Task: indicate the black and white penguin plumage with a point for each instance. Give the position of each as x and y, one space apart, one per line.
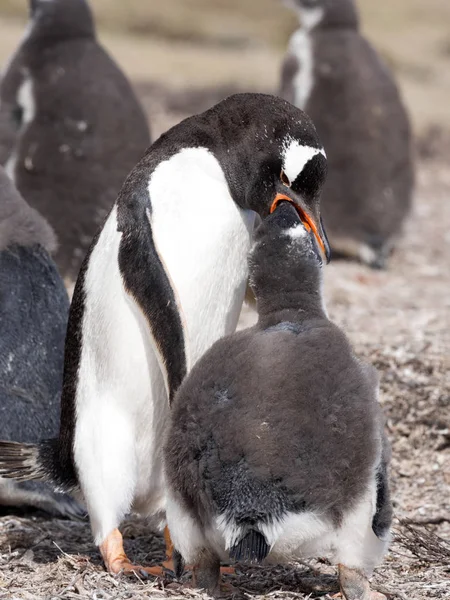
33 317
163 280
80 128
334 74
276 446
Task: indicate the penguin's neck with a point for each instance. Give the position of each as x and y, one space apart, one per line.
202 238
295 308
294 303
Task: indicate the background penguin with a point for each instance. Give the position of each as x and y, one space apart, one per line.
336 76
33 319
80 128
275 447
163 280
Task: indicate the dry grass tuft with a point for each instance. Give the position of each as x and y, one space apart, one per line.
423 543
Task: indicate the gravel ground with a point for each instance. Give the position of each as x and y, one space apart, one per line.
398 319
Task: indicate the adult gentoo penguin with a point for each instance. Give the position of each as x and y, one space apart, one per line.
334 74
33 315
80 128
163 280
297 467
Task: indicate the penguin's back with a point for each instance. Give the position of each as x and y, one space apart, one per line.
357 109
275 414
85 132
33 317
34 308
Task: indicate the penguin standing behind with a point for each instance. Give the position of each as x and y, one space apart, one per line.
276 446
80 128
164 279
336 76
33 317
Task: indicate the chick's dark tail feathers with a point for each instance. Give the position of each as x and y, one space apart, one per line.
247 505
252 548
27 462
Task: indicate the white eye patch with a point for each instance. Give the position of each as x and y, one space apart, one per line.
296 156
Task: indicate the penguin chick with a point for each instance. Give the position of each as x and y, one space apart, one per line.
79 127
334 74
276 448
33 315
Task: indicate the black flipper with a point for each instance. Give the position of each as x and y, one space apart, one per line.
382 518
146 280
39 495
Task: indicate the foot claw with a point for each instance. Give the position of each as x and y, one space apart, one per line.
157 571
169 567
116 561
355 585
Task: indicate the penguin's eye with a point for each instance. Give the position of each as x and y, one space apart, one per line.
285 179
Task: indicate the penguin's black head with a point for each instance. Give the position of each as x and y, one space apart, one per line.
271 153
294 239
60 19
286 257
325 13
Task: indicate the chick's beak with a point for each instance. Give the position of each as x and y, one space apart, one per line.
309 223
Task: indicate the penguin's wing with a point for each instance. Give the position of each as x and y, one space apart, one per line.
147 280
382 518
124 322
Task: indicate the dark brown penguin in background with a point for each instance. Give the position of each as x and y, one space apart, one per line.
33 317
80 128
276 447
334 74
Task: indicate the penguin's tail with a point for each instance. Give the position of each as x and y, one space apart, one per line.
250 513
252 548
27 462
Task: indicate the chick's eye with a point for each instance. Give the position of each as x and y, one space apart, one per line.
285 179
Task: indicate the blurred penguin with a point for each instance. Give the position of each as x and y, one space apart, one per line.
80 128
33 317
336 76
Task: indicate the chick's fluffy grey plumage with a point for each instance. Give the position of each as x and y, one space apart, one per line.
79 129
282 417
333 73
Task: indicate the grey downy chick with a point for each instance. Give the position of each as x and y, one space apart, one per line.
33 318
79 127
333 73
276 447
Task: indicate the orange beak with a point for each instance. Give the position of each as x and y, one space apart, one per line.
307 221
